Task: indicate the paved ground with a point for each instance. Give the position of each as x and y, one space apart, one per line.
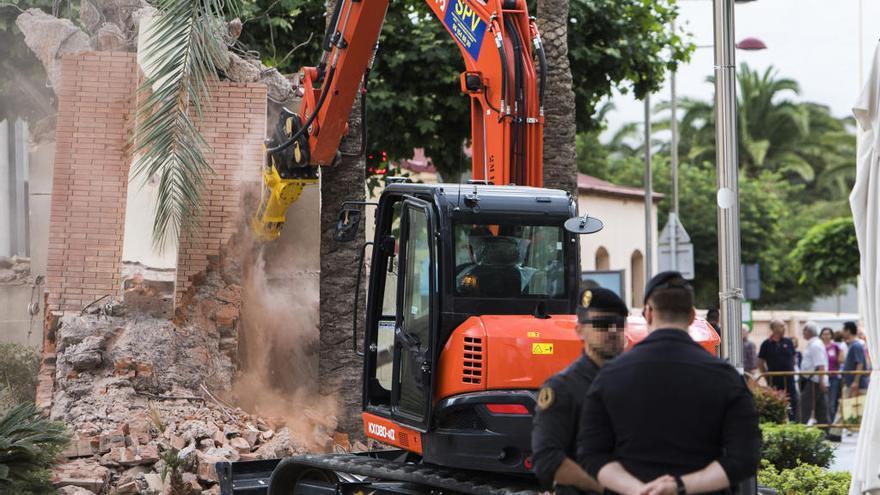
845 453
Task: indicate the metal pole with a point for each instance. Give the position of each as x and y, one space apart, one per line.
649 195
673 107
730 293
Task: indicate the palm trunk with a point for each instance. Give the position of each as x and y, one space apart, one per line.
560 170
338 366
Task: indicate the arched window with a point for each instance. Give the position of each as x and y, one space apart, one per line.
602 262
637 274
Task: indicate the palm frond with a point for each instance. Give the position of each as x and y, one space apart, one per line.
29 444
183 51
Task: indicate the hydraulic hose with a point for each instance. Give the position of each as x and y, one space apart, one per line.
283 146
542 67
518 137
327 44
499 43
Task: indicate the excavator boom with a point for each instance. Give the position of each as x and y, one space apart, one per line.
496 40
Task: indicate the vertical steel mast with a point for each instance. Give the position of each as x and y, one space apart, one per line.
730 293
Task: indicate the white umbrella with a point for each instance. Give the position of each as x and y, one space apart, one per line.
865 203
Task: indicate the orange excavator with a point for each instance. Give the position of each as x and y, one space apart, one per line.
472 287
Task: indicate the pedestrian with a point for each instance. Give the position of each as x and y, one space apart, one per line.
601 321
750 352
713 317
814 388
777 353
863 338
835 362
668 417
856 360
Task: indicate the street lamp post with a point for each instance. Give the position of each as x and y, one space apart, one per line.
747 44
730 293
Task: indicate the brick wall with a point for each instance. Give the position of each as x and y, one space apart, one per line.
89 185
95 114
234 128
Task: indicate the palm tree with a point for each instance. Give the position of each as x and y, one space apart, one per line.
29 446
183 51
559 101
798 140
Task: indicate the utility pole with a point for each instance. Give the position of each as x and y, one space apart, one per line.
649 195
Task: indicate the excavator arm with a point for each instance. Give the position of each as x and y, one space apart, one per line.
496 39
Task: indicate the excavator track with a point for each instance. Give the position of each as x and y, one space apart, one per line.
431 477
366 471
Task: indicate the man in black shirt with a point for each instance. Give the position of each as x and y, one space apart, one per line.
779 353
601 320
667 417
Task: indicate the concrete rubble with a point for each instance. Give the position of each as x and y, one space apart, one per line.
113 25
15 270
138 391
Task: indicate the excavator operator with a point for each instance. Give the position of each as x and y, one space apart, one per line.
506 261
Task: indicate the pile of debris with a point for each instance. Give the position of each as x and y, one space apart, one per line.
15 270
143 395
183 435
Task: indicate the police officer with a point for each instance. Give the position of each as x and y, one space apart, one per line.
601 319
667 417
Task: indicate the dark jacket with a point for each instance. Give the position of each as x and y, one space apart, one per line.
554 435
669 407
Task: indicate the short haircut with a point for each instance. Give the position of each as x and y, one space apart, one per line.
713 314
850 326
673 304
812 328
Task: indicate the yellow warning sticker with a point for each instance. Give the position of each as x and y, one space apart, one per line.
534 335
542 348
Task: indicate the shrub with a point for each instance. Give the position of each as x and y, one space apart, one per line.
772 405
803 479
787 445
19 366
29 446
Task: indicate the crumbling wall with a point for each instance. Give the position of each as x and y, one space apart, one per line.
234 128
95 111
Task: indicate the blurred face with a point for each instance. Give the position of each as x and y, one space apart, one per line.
777 329
745 332
603 334
827 335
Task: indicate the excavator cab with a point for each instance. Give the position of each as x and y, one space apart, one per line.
471 295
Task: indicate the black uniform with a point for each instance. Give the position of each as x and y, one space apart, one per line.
554 435
669 407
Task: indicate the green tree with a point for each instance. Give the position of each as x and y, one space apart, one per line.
763 209
626 45
827 256
801 141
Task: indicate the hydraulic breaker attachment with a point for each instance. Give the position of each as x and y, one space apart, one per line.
285 174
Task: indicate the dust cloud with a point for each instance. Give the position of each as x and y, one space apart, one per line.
278 338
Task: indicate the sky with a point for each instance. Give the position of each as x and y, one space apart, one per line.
814 42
